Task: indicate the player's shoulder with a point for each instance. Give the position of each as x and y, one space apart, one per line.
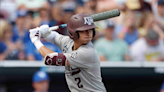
88 46
59 36
87 49
64 39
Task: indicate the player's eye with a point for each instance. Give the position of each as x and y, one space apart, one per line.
85 31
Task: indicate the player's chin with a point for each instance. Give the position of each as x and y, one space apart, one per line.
86 41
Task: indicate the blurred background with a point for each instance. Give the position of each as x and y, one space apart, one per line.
130 46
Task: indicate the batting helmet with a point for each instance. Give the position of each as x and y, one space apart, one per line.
79 22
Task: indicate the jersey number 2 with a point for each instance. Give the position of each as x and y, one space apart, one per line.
78 83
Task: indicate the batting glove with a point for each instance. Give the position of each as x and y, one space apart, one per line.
35 34
44 29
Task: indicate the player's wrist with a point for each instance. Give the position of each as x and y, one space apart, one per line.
34 39
38 44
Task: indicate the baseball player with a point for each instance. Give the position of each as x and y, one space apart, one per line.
81 60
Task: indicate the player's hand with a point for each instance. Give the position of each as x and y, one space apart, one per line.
35 34
44 29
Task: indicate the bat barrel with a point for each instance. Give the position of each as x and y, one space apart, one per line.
106 15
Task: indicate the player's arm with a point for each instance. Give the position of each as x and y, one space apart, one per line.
53 36
51 57
82 58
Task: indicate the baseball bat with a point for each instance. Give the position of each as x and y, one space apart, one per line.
95 17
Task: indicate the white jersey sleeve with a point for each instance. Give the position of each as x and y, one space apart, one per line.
60 40
57 39
50 38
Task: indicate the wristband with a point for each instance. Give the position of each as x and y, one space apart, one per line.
38 44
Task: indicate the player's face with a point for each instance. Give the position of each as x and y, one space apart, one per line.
85 36
41 86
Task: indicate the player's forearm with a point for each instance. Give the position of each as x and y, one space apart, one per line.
35 35
52 58
44 51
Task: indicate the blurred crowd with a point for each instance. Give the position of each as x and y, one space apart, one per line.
136 35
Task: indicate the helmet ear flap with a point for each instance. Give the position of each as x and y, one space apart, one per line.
94 32
77 34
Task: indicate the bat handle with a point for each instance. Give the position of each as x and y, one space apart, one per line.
57 27
63 26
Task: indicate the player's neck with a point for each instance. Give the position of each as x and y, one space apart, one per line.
76 45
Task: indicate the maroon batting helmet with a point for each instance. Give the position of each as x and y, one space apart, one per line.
79 22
